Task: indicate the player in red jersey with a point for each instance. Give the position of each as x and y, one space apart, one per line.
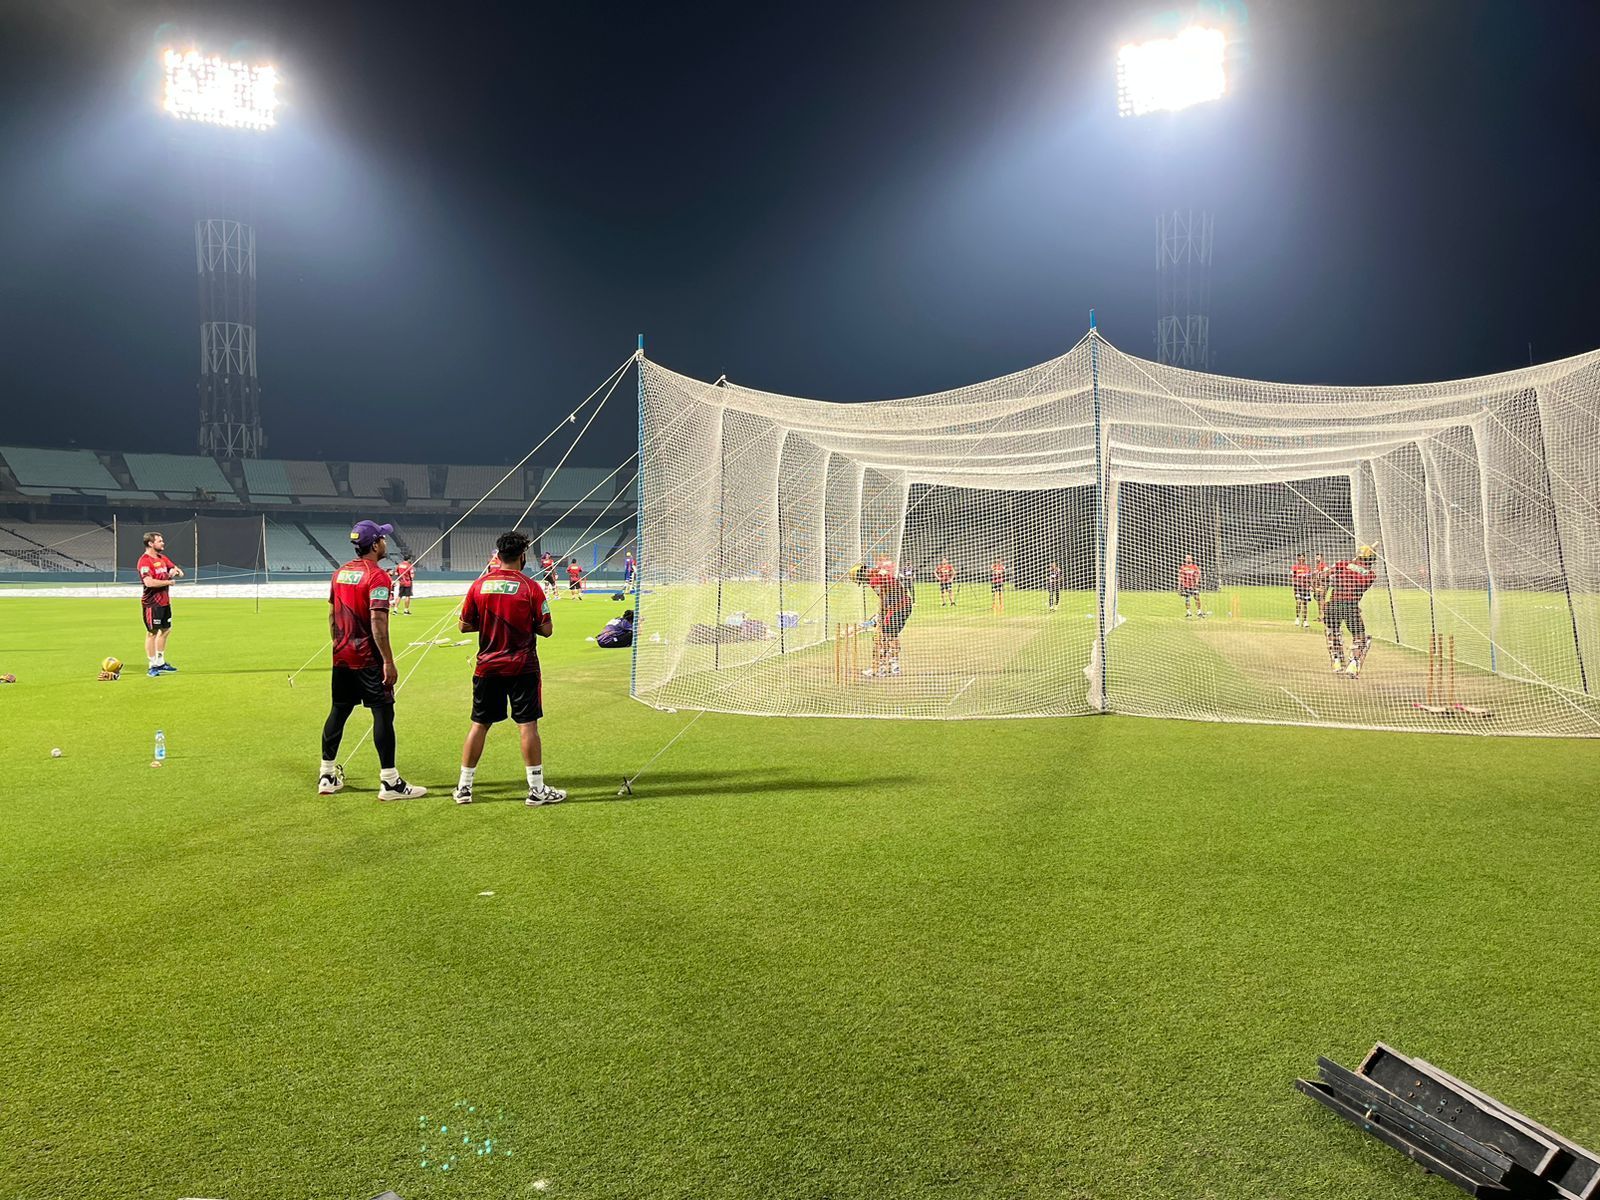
547 568
896 599
405 577
1189 587
1319 587
1300 584
997 585
1052 586
363 663
946 575
492 565
575 578
156 573
1347 583
507 611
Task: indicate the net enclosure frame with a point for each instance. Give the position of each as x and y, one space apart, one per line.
1100 533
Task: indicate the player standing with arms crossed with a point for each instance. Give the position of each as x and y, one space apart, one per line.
363 663
1300 584
575 578
946 575
156 572
507 611
405 575
1189 587
1347 583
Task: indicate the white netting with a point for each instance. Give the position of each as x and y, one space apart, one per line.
1044 563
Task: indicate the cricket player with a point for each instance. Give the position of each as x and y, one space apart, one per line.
630 568
895 602
575 579
492 565
547 564
405 576
1319 587
1300 584
156 573
363 662
618 633
507 611
1052 584
946 575
1189 587
997 585
1347 583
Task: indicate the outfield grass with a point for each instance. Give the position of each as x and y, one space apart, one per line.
1062 958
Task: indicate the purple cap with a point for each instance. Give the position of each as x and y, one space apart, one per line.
366 533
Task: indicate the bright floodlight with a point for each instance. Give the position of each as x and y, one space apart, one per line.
208 88
1172 73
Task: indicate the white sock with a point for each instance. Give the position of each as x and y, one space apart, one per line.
329 768
161 657
389 775
152 660
466 776
536 776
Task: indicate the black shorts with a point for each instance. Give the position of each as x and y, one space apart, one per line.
999 587
405 589
490 694
360 685
945 585
1301 595
895 620
551 579
157 617
1345 612
1187 592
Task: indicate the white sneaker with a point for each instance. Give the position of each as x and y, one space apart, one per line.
463 793
327 785
400 790
894 667
540 796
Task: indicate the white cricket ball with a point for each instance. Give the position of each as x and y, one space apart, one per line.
56 753
155 762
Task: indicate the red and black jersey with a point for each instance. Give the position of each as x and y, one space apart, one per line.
944 573
405 574
155 565
574 572
997 573
1189 576
1349 581
894 594
1320 574
360 588
1300 577
547 564
507 608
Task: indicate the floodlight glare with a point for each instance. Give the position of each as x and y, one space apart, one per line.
218 92
1172 73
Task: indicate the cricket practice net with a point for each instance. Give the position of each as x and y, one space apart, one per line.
1033 534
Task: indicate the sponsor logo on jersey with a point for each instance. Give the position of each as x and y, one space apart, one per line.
351 576
502 587
380 593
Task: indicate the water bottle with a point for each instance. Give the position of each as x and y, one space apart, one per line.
161 746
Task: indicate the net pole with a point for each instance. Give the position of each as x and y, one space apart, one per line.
722 524
1555 526
1488 553
1427 538
1099 511
114 547
783 562
638 529
198 573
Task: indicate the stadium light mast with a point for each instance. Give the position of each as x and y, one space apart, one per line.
1168 75
233 100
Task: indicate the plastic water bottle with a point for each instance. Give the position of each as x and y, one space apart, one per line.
161 746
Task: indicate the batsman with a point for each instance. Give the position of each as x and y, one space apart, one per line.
1347 583
895 601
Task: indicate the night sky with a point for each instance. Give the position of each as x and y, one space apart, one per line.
467 218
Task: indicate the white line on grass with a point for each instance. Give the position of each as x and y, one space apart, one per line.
1299 701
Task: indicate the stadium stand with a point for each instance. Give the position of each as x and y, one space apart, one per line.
560 540
309 478
470 483
570 484
266 479
367 480
288 549
178 475
39 472
55 546
335 539
416 539
471 546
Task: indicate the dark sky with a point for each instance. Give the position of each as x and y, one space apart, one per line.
471 210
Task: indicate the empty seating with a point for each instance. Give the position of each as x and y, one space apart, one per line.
368 480
58 470
288 550
472 483
178 475
266 479
309 479
571 484
56 546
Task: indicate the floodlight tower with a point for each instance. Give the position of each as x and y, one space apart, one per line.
1168 75
231 98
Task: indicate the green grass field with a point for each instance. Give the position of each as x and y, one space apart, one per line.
1064 958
